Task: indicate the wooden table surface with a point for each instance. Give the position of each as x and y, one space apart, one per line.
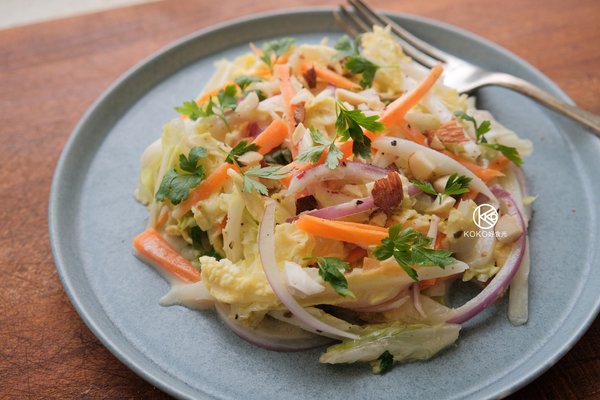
51 72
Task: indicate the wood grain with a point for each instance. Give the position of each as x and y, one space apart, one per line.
51 72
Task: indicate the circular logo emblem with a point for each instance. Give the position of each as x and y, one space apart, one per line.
485 216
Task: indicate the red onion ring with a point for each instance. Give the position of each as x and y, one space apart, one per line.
266 339
524 191
266 248
351 207
502 280
348 170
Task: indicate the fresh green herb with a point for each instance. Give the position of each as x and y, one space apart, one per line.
409 247
226 99
272 172
347 47
191 109
190 163
383 364
355 63
242 147
481 129
360 65
281 156
509 152
314 153
348 126
245 80
175 185
277 48
330 270
200 242
425 186
455 185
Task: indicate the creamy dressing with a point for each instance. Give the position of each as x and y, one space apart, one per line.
191 295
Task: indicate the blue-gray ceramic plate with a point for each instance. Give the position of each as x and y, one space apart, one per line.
190 354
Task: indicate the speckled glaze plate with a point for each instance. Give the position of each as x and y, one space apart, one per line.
190 354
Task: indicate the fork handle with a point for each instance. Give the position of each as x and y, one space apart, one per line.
522 86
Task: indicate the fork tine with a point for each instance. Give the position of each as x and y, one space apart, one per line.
407 37
350 30
362 26
415 54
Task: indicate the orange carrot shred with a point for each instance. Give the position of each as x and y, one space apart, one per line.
154 248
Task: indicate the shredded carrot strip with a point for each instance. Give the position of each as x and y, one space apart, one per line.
485 174
164 216
282 72
153 247
271 137
339 230
499 163
396 110
330 76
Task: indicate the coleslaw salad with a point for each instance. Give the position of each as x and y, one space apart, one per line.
317 194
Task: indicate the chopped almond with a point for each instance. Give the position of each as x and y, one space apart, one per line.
387 192
450 132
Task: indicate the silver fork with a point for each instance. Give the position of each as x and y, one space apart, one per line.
458 73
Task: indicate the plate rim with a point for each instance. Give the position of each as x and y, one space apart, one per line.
109 339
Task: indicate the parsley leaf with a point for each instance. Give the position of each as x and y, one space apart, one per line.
348 126
190 163
314 153
191 109
176 186
346 47
457 185
242 147
281 155
330 270
480 129
509 152
276 48
245 80
271 172
360 65
425 186
484 127
226 99
410 247
383 364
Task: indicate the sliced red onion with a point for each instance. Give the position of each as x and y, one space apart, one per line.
501 281
351 207
266 248
267 337
524 191
413 190
349 170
